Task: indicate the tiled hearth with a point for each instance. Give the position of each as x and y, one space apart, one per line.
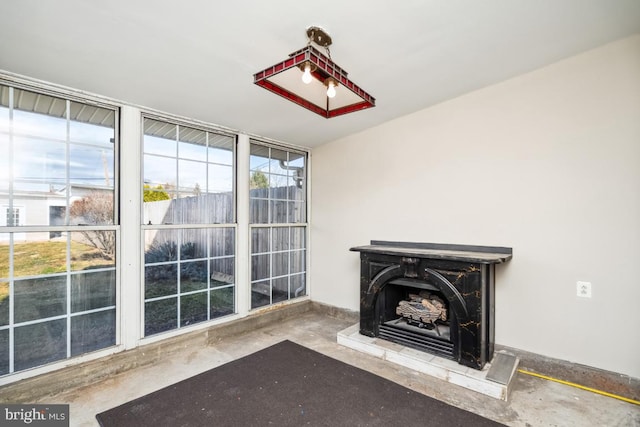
444 369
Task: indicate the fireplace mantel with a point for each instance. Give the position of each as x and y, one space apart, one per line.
462 274
466 253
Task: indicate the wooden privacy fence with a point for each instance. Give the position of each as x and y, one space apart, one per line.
282 204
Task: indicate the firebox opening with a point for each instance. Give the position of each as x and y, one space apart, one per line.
416 314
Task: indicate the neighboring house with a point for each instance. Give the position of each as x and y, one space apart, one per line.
33 208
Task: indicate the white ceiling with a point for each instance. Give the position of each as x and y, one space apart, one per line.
196 58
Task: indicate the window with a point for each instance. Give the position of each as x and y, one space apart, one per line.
188 225
57 277
278 224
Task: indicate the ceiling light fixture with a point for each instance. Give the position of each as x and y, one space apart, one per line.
313 81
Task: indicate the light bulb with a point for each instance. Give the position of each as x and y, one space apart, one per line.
306 77
331 89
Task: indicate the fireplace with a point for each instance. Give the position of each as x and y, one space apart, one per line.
438 298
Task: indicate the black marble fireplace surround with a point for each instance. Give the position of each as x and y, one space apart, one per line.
461 276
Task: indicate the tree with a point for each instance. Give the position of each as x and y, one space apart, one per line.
154 194
258 180
96 209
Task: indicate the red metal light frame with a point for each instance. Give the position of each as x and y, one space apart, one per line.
325 67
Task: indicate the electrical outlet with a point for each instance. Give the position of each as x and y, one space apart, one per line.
584 289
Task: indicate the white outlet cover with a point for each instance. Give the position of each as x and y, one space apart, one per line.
583 289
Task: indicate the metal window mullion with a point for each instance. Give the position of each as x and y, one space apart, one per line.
209 261
11 242
289 263
68 163
43 320
68 302
289 213
11 150
94 310
178 283
11 306
177 191
270 265
67 221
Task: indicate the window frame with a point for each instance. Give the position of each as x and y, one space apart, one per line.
209 129
71 99
270 225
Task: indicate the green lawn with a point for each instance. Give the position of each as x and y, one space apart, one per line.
36 258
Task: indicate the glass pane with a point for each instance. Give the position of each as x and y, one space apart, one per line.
222 142
93 249
297 212
280 264
296 162
92 124
278 161
192 177
5 300
297 188
278 212
221 302
160 137
193 276
160 171
4 352
260 240
4 255
259 184
221 207
220 155
5 171
93 290
298 261
220 179
160 316
158 206
298 240
280 239
193 308
192 144
91 166
194 244
280 289
191 210
94 208
258 211
160 280
40 165
222 272
298 285
222 241
37 256
259 158
278 189
40 343
93 331
162 246
260 267
39 115
4 108
40 298
260 294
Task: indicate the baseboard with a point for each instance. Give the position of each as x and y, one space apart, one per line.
588 376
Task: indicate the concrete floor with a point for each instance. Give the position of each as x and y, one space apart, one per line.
532 401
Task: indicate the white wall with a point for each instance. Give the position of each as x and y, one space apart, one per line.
547 163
